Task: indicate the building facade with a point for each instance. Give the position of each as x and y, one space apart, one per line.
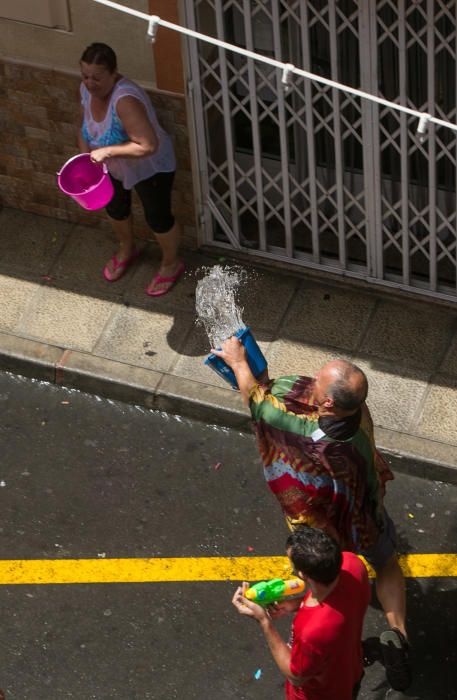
308 175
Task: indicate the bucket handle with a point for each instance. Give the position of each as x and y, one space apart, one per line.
104 168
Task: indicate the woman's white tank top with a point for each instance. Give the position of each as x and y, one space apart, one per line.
111 131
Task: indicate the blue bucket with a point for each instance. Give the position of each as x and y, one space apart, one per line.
256 361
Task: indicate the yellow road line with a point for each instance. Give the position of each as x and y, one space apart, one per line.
46 571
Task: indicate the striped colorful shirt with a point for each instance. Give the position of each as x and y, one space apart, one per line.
316 479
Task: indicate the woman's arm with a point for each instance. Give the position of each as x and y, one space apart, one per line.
143 138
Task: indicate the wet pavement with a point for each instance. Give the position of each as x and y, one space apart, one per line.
83 477
61 321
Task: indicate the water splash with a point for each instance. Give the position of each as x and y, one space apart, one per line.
216 303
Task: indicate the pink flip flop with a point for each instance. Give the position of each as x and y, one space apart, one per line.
169 281
121 265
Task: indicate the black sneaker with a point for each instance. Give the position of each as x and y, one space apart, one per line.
371 651
395 653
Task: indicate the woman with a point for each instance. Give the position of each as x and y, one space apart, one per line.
119 127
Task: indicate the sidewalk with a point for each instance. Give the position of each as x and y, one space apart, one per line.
61 322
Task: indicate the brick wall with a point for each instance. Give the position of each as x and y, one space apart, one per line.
39 112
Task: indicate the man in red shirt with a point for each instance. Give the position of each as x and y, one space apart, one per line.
324 658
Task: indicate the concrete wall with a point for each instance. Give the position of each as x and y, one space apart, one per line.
89 22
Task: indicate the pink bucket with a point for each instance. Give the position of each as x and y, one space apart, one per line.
86 182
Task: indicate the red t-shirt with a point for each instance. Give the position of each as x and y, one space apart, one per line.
326 639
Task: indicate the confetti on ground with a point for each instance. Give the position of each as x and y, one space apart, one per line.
410 515
217 466
257 674
65 403
46 277
250 549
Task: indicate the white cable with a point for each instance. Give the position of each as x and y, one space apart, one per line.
287 68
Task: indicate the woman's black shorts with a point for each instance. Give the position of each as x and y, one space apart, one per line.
155 195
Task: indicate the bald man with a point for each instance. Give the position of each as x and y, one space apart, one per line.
315 438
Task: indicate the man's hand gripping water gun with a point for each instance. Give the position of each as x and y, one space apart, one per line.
274 598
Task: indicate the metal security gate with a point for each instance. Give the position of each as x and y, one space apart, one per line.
315 176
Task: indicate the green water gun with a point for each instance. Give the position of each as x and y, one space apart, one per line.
275 591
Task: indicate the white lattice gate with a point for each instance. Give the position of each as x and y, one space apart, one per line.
315 176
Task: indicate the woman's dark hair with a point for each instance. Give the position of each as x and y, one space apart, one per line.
315 554
101 55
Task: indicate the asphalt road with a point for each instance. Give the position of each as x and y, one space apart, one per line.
82 477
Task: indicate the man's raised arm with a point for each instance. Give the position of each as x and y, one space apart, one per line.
234 354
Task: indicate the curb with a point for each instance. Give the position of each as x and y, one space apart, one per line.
405 453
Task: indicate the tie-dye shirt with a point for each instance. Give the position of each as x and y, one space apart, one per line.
316 479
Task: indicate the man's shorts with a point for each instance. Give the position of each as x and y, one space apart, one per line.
386 545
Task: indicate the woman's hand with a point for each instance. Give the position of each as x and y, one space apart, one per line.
99 155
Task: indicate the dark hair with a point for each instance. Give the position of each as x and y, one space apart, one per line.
315 554
101 55
344 395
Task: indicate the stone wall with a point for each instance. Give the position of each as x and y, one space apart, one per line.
39 114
